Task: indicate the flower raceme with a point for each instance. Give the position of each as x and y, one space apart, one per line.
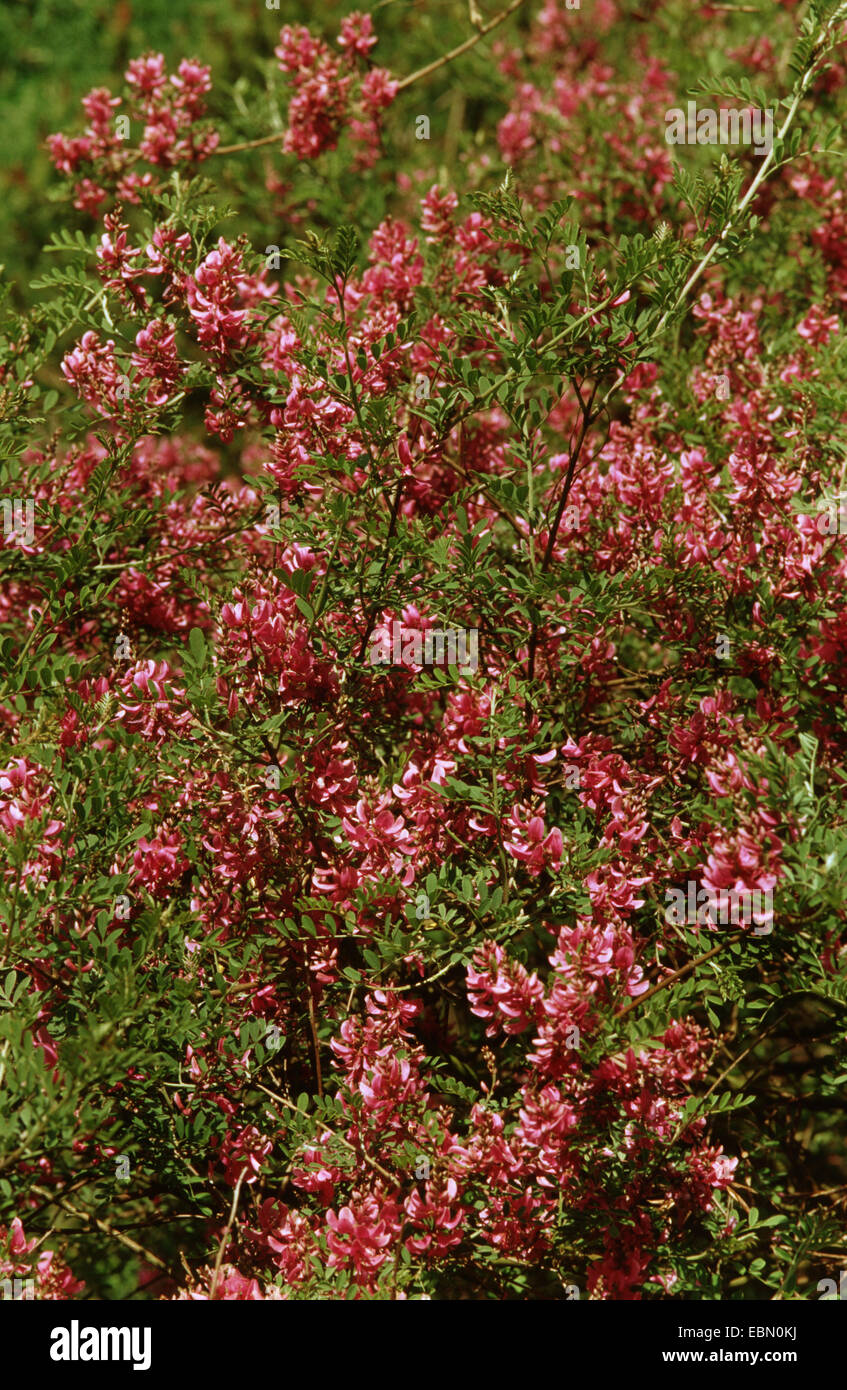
331 94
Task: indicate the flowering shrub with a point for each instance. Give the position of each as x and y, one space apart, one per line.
326 977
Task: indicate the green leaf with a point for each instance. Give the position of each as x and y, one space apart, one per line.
197 645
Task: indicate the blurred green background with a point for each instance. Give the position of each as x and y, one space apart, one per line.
57 50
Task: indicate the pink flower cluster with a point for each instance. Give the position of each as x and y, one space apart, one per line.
328 91
169 110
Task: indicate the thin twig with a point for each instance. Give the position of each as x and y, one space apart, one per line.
462 47
226 1234
441 62
678 974
314 1028
105 1228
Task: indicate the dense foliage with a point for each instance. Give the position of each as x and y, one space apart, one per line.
335 963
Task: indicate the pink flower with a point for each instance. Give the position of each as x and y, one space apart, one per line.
358 1236
357 35
817 328
147 75
159 862
378 90
500 989
243 1153
530 845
